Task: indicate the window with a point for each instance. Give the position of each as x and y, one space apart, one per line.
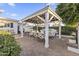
11 25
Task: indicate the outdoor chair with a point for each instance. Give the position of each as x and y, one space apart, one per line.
53 33
41 35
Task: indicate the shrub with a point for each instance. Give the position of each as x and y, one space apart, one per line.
8 45
65 30
68 30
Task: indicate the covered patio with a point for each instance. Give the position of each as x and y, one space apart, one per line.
45 15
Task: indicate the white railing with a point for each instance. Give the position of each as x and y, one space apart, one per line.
8 29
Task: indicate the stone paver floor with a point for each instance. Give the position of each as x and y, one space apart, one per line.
35 47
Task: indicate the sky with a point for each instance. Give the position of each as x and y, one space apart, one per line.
18 11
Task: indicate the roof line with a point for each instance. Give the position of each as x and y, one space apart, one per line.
47 7
43 9
55 13
9 19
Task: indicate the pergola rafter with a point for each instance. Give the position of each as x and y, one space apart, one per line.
51 18
41 18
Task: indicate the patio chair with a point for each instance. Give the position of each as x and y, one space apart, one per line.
53 33
38 35
41 35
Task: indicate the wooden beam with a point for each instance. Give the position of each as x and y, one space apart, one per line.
54 14
51 18
78 34
35 14
46 30
59 29
41 18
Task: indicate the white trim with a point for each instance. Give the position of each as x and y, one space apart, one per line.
42 11
8 19
34 15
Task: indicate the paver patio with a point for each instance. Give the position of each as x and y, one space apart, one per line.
35 47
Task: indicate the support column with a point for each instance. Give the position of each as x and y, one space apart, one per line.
78 35
21 29
15 25
59 29
47 30
37 28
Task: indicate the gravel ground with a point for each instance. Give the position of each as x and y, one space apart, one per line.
35 47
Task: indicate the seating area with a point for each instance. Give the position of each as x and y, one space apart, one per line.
41 34
44 16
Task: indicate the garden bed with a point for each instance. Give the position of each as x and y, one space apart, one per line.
8 45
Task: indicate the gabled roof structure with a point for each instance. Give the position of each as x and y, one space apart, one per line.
39 16
43 16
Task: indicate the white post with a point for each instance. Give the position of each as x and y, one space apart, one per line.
21 29
59 29
47 30
15 26
78 35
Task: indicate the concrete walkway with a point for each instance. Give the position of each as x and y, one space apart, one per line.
35 47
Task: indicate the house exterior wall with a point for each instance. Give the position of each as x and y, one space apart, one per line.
11 27
15 26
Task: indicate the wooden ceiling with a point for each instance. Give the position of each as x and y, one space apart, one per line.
39 16
36 20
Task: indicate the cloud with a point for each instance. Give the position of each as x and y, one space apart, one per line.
11 4
13 14
1 10
48 4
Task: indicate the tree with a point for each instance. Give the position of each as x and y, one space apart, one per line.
69 12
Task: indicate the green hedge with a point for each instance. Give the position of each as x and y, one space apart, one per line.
66 30
8 45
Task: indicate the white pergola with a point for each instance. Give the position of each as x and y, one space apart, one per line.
45 15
